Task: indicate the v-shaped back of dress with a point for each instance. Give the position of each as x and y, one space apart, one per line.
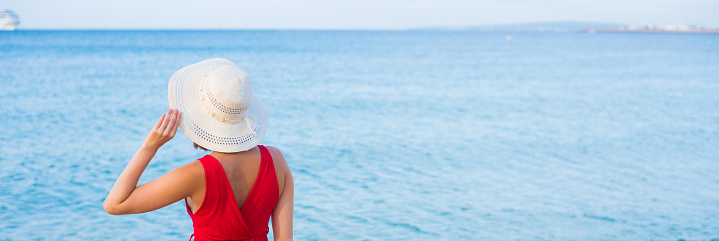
219 217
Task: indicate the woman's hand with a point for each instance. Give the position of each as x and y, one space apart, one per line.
126 197
164 130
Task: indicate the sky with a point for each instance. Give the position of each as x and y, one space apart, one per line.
350 14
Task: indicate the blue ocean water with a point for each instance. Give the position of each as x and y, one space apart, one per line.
399 135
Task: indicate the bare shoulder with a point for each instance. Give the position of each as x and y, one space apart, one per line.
193 170
192 177
278 159
282 170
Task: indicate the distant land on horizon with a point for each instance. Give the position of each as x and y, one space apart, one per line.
591 27
530 27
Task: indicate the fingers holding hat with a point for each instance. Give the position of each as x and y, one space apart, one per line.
159 123
174 123
165 128
170 122
165 121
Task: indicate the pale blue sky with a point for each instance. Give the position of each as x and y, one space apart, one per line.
351 14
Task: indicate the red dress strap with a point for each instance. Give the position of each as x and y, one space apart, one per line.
263 196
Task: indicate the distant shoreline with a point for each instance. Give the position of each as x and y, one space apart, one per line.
606 30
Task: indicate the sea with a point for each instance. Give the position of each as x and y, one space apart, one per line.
390 135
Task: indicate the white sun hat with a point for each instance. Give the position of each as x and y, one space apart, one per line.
220 112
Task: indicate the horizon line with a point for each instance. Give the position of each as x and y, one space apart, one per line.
486 27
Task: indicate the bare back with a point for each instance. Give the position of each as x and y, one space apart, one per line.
241 169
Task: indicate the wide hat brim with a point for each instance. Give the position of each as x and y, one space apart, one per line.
199 125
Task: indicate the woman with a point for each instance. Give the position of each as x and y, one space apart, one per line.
231 193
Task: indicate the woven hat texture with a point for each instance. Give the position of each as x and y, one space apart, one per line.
220 112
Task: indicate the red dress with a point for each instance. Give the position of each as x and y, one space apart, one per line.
219 218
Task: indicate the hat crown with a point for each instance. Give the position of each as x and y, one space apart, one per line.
229 90
206 92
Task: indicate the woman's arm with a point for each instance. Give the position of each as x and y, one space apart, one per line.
282 215
125 197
